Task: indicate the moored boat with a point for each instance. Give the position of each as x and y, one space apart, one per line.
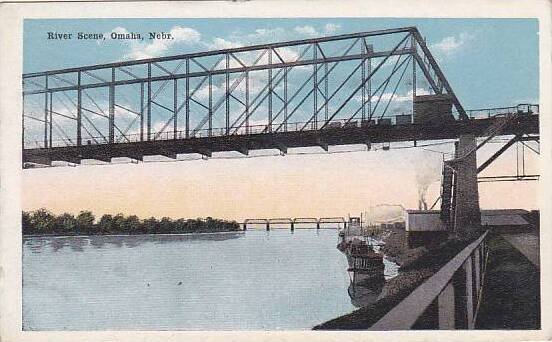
365 264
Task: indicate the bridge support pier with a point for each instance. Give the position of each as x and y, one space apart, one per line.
292 226
267 226
467 215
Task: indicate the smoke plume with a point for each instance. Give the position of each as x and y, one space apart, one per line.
427 167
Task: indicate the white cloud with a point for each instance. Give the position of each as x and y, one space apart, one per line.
331 28
310 31
185 34
221 43
407 97
306 30
189 36
203 92
451 44
260 35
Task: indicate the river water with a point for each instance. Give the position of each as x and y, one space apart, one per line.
255 280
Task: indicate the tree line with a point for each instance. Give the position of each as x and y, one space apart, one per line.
43 222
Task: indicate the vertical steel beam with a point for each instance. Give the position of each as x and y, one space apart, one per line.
315 86
148 120
363 76
51 117
210 105
227 94
79 110
175 108
517 159
112 108
46 115
247 102
326 91
523 158
413 48
141 111
285 98
270 89
187 99
23 119
369 90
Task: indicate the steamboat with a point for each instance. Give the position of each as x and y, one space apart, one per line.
365 264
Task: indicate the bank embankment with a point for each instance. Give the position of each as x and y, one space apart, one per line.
416 266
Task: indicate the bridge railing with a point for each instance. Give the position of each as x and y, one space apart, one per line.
218 132
396 120
484 113
449 299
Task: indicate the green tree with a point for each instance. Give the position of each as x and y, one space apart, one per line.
119 223
85 222
42 221
132 224
180 226
166 225
151 225
66 223
26 226
105 224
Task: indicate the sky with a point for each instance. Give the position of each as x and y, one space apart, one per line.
488 62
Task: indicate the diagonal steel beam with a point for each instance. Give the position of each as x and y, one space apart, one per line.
498 153
324 78
221 100
427 75
384 85
364 81
441 77
395 89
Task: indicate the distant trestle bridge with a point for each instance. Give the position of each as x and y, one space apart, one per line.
335 90
292 223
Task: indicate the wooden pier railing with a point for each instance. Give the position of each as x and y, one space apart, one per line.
447 300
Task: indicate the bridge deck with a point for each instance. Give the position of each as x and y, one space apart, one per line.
525 124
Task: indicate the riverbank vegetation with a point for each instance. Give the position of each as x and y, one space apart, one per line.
43 222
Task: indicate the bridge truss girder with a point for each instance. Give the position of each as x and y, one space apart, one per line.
89 101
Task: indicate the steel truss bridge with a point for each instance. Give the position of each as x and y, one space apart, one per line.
358 88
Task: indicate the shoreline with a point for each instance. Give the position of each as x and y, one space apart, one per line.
141 234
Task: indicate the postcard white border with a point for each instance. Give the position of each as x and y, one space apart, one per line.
11 25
